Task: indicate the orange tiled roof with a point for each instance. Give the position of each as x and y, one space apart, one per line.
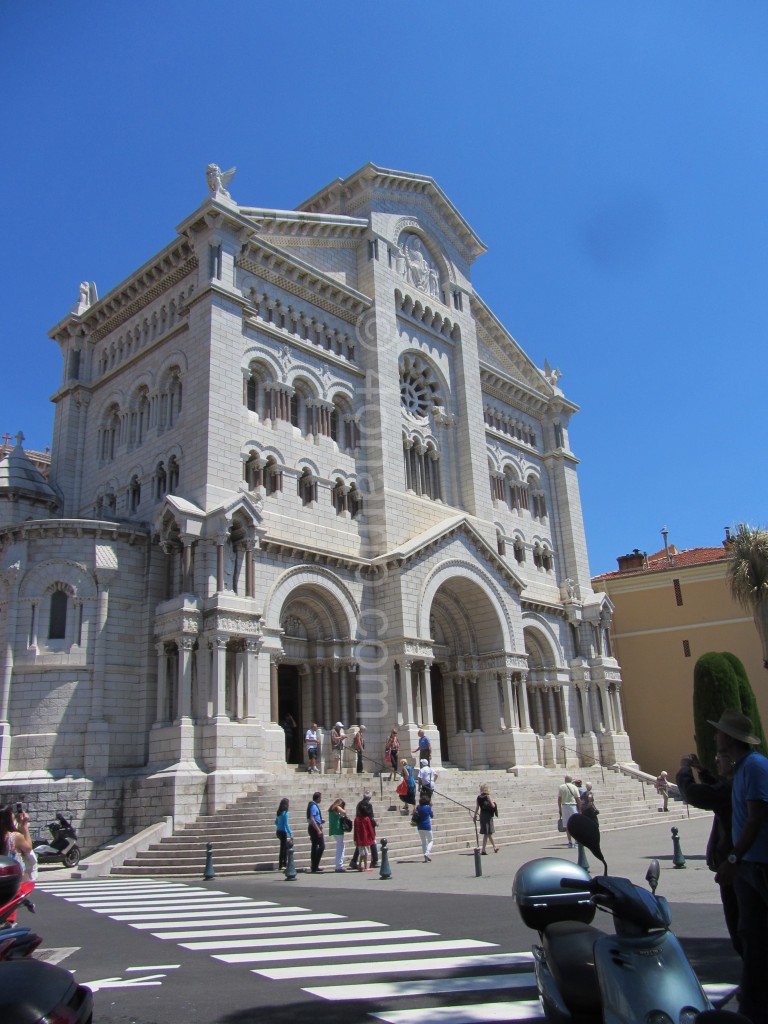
657 562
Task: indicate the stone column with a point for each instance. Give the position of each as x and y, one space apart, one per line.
273 690
218 682
458 704
162 683
186 645
507 701
474 699
469 722
605 696
522 703
426 693
406 693
221 540
326 719
344 681
252 647
335 714
616 708
585 710
249 546
317 694
414 686
187 582
551 711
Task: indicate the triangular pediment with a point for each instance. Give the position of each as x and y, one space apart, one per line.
417 547
373 187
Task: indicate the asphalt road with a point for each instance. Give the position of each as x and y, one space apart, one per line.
189 952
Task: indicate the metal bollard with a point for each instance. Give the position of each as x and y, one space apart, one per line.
209 873
386 871
290 867
582 859
478 863
678 860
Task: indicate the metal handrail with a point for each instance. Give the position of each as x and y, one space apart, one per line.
594 760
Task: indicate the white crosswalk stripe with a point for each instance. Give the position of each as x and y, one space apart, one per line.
273 939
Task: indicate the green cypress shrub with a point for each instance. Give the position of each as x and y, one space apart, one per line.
748 701
715 688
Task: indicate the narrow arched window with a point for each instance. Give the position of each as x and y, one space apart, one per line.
57 621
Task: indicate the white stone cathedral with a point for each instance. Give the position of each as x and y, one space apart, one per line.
298 469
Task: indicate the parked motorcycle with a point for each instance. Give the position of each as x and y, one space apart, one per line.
640 975
62 846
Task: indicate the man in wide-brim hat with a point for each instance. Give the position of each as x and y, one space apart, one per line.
746 866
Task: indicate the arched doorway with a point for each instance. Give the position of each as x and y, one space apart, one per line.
315 677
468 644
289 712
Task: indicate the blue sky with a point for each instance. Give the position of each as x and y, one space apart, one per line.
613 156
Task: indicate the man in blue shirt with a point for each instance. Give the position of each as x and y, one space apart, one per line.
315 830
746 866
424 749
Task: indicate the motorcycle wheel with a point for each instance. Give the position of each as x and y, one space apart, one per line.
72 857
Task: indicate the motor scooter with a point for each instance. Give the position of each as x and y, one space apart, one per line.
32 992
16 942
639 975
63 845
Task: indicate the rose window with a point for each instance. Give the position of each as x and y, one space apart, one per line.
418 388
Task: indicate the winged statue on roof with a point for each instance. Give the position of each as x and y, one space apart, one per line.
218 180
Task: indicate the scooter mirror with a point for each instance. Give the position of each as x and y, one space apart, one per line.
585 831
652 874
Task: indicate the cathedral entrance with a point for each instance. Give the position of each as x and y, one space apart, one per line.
438 709
471 708
289 712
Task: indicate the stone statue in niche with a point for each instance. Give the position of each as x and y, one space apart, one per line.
416 265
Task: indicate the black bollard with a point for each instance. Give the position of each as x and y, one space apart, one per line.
478 863
209 872
678 860
290 867
386 871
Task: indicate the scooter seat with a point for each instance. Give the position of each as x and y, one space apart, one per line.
569 948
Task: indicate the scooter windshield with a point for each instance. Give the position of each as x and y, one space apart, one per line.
629 902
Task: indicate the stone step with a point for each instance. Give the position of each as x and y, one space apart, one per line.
244 841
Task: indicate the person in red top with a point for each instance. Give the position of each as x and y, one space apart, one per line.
364 833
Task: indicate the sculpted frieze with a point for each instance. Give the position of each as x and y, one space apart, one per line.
235 624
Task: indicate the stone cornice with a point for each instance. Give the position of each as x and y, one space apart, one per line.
289 225
306 553
156 276
535 604
280 268
344 191
98 529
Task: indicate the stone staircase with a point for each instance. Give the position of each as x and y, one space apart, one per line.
243 834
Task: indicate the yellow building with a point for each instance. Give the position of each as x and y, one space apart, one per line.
670 608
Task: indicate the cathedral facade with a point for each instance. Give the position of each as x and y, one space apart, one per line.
299 470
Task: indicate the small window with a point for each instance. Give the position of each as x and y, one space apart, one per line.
686 648
678 592
373 249
57 624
